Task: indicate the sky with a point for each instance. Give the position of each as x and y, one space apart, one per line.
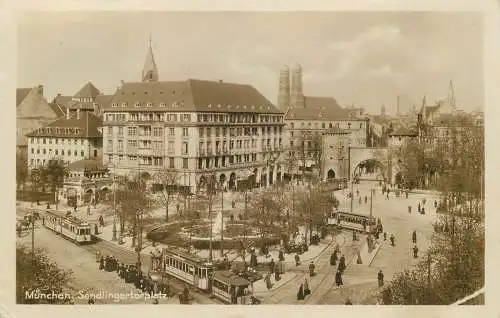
365 59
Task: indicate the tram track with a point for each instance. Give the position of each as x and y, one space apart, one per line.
130 257
274 298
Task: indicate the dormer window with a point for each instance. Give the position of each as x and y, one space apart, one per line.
137 105
162 104
149 105
124 104
114 105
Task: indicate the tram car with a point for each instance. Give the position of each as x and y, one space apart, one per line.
190 268
229 287
68 227
353 221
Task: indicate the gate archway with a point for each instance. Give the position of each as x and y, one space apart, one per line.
330 174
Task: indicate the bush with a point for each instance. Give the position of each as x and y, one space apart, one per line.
231 243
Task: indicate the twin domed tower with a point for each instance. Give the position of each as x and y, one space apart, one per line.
291 94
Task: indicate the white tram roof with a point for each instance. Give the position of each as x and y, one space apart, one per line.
185 255
230 278
71 219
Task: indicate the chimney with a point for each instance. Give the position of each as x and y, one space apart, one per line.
78 113
67 113
40 90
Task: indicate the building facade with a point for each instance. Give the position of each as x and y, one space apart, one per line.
71 138
194 129
336 143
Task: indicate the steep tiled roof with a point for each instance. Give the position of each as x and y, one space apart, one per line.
191 95
58 109
86 164
21 94
317 108
88 90
61 100
84 127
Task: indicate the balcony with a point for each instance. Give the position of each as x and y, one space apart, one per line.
120 150
225 151
201 152
209 152
145 151
218 151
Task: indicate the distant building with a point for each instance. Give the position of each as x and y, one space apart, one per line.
87 99
32 112
71 138
306 117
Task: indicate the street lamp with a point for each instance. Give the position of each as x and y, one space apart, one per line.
222 219
114 201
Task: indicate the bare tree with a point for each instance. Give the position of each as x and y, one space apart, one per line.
167 178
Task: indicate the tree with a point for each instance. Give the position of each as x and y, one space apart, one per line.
265 210
21 168
54 173
168 180
38 274
133 202
410 160
316 152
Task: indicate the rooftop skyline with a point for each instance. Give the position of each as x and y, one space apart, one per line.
361 58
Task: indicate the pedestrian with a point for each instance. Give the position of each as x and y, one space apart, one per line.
300 293
415 251
338 279
348 301
311 269
354 237
393 239
414 237
91 300
271 266
359 200
409 209
366 199
333 258
281 256
357 193
268 281
419 208
155 301
387 195
380 278
96 229
423 210
385 236
435 204
101 263
307 291
406 194
342 265
297 260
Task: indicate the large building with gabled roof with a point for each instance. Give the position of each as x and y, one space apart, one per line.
87 99
32 112
194 128
73 137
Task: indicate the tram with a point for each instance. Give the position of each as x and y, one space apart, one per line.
353 221
68 227
190 268
229 287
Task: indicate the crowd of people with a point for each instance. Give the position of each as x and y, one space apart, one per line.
131 274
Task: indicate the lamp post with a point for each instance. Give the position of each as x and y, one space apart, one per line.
114 202
210 190
222 220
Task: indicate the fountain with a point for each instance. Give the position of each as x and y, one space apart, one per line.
218 225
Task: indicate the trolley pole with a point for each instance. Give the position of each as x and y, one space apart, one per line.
371 207
222 222
352 194
32 236
114 203
210 217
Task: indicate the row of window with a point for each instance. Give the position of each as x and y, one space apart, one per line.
239 118
323 125
59 130
240 131
61 152
139 104
224 161
146 144
155 117
150 161
147 131
57 141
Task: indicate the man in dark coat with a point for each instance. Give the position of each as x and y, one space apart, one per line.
414 237
338 279
342 266
311 269
253 260
415 251
333 258
380 278
281 256
393 239
297 260
300 293
271 266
